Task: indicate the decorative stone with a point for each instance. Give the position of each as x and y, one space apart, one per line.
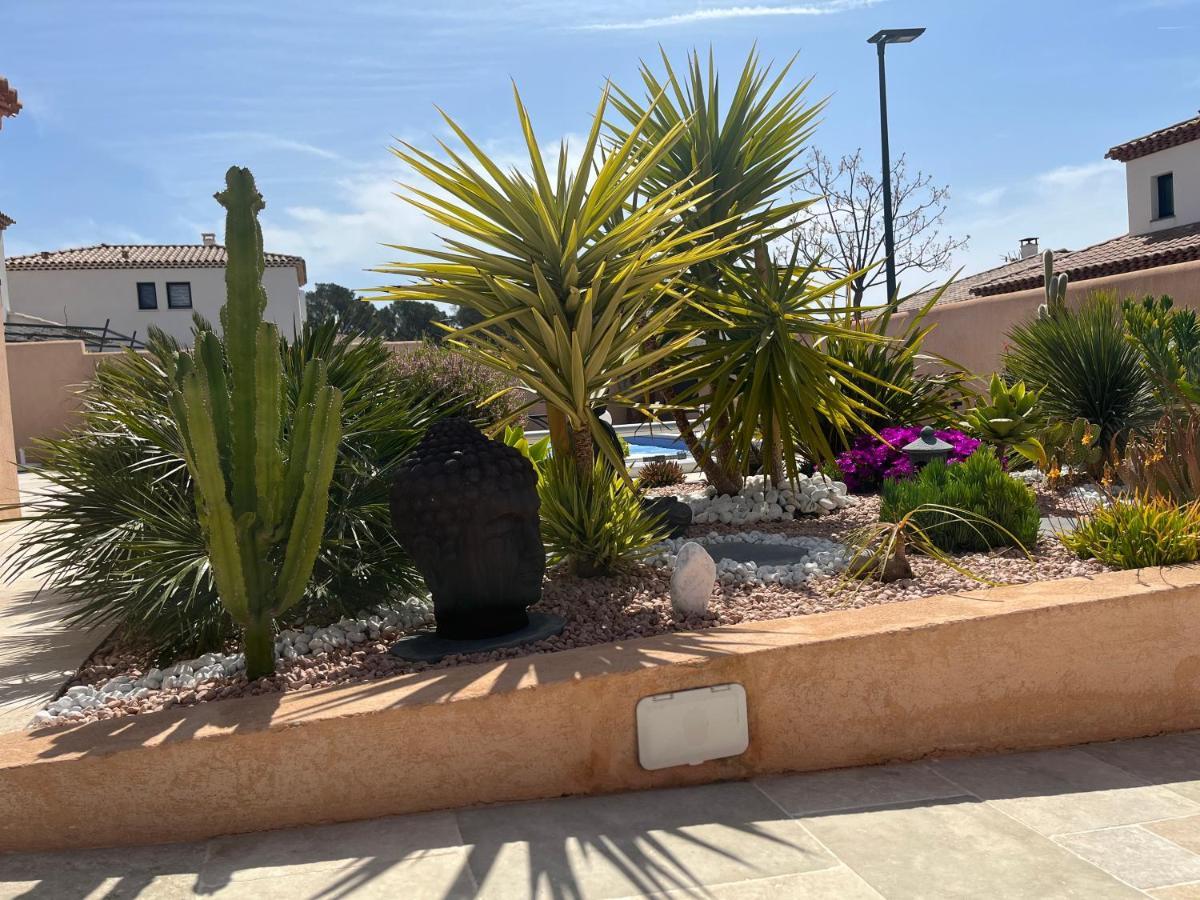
466 510
677 516
692 581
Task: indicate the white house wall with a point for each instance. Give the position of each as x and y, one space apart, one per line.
90 296
1184 163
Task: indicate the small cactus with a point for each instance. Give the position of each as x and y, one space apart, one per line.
1055 287
261 496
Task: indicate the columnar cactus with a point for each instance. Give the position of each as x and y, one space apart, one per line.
1056 288
261 493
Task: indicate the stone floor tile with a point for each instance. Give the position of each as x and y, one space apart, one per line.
1177 892
1172 760
162 872
828 884
1061 791
440 876
377 846
842 789
633 844
1135 855
958 849
1185 832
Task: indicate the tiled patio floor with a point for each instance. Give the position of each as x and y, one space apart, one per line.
1100 821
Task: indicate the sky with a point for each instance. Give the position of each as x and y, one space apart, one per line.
135 108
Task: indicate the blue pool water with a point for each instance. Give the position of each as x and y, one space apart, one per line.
641 446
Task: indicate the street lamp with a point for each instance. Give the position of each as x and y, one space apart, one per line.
881 39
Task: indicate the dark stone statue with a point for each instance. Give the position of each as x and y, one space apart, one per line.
466 509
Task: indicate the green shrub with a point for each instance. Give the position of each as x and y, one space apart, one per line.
1084 367
120 539
596 525
449 377
660 473
1138 532
978 486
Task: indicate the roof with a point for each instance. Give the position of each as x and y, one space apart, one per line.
9 104
5 221
1127 253
142 256
1171 136
961 288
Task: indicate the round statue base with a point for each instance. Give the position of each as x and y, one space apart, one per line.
429 648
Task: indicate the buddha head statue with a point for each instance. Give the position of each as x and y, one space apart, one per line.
466 510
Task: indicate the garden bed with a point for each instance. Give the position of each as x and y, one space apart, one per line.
632 605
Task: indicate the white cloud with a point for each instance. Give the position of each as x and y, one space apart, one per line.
710 14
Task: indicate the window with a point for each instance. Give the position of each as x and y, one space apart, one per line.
179 294
147 295
1164 196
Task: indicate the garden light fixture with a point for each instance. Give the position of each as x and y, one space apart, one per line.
927 448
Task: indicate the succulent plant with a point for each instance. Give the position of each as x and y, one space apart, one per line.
261 496
1055 286
1009 418
660 473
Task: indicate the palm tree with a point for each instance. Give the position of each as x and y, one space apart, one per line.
568 272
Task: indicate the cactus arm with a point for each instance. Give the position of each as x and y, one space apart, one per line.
312 380
268 457
308 521
212 505
211 360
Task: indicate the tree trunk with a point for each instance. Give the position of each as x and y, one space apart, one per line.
772 453
259 641
715 473
584 451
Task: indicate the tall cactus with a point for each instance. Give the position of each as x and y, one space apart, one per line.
1055 286
261 494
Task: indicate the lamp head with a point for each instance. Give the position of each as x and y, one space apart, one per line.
895 36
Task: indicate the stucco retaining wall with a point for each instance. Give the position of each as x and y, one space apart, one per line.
1010 668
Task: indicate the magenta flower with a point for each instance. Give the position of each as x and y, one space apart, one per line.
872 460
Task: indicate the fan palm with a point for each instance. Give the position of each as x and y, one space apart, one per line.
568 273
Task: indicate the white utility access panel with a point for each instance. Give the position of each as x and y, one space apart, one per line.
687 728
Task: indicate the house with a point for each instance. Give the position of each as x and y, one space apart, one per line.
1160 254
133 286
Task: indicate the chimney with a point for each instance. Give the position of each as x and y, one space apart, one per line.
1029 247
209 239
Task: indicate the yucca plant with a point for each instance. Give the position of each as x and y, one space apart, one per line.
1009 419
761 369
656 473
596 524
740 150
569 271
1083 366
896 379
1132 533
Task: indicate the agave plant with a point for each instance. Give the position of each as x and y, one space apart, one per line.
1084 367
568 273
1009 419
740 153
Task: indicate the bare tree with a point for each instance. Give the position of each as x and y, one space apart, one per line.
843 230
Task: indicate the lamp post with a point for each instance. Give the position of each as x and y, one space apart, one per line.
881 39
927 448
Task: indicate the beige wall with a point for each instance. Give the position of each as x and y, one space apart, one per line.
90 296
44 378
1020 667
973 332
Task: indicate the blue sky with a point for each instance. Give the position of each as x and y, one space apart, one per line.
134 108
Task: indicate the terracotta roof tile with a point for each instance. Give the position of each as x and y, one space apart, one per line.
5 221
961 289
9 104
1171 136
1127 253
142 256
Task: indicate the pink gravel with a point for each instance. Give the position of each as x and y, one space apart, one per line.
620 608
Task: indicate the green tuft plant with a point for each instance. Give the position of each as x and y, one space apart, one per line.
1008 419
970 506
1138 532
261 493
1083 366
596 525
660 473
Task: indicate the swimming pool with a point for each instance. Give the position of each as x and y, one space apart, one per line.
642 446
